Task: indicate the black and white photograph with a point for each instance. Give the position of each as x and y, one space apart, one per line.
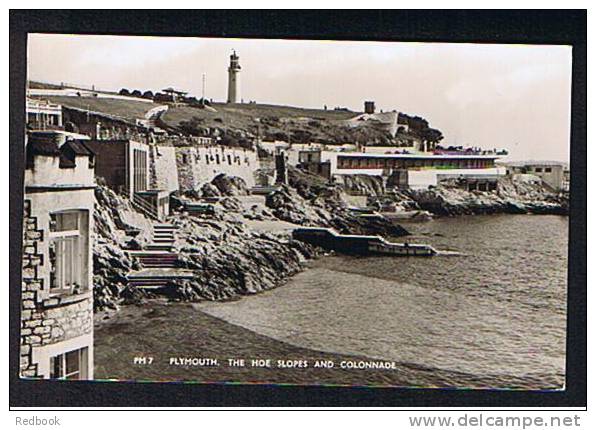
296 212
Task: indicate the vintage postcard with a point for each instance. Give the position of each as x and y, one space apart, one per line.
302 212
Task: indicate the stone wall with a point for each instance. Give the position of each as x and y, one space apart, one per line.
46 320
198 165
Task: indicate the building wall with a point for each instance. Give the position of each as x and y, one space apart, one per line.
110 162
131 147
380 161
98 125
553 178
425 178
115 162
46 171
165 168
41 114
551 174
198 165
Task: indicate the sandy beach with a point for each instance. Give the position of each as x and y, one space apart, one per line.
166 331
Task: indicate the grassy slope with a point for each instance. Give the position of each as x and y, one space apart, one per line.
128 109
242 116
275 122
43 85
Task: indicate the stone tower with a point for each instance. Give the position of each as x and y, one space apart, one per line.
233 71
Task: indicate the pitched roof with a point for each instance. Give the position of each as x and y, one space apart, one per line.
50 146
79 147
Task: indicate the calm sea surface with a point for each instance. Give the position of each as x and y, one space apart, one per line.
496 307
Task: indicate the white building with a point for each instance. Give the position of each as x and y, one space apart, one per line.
421 170
43 115
551 173
57 287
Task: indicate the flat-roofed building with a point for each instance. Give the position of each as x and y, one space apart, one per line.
43 115
124 165
550 172
415 170
310 160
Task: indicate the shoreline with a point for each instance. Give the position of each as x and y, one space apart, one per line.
244 247
165 330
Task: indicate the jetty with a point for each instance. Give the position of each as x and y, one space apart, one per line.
331 240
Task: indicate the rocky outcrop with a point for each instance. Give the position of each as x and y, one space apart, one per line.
112 235
231 260
228 258
368 185
288 205
230 185
311 201
509 197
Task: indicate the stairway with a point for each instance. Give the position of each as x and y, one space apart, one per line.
158 261
163 238
157 278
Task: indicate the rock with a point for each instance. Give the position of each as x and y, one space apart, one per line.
230 185
510 197
209 190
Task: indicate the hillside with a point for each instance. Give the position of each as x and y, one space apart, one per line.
127 109
271 122
248 120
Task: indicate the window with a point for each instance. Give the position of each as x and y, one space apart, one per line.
548 169
538 169
68 252
70 365
140 170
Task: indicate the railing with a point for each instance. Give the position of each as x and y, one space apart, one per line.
145 206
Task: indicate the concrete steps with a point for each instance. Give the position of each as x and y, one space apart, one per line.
156 278
164 237
156 259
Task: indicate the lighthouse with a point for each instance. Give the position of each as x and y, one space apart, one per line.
233 71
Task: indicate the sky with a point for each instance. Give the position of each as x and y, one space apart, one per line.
516 97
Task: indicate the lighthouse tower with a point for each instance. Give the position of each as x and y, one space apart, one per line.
233 71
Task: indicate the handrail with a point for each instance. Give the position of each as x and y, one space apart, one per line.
145 206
